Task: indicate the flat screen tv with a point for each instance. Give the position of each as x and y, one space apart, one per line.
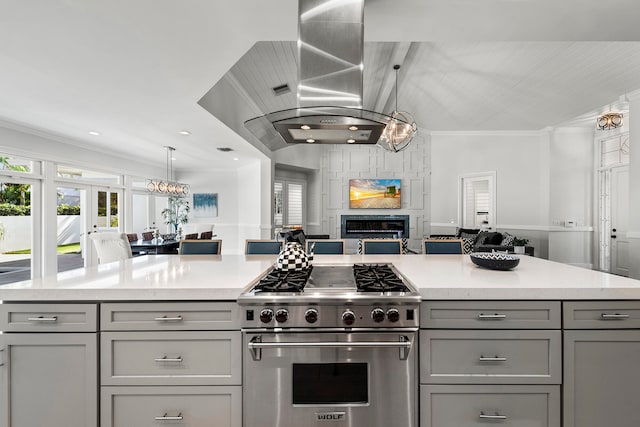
374 194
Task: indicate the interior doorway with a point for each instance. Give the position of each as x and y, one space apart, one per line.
477 201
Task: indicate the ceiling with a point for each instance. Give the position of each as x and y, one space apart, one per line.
135 70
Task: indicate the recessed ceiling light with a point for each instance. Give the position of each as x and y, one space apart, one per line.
185 132
311 140
94 133
305 127
235 158
173 158
351 140
353 127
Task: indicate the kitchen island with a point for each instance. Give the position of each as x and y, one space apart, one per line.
157 339
222 277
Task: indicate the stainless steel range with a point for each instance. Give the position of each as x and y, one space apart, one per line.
333 345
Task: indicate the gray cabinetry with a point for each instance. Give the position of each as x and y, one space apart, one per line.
49 380
485 363
178 358
496 357
157 406
601 378
170 363
488 405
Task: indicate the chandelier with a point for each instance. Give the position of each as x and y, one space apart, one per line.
400 129
168 187
609 121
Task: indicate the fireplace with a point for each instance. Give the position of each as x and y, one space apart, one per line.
370 226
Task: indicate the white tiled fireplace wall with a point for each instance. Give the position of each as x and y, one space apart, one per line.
340 163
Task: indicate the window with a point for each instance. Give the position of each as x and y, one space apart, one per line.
288 203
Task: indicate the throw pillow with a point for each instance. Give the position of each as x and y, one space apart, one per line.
467 232
507 239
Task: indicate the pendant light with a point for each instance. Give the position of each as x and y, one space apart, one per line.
400 130
168 187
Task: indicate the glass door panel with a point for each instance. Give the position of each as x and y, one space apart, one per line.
72 226
16 225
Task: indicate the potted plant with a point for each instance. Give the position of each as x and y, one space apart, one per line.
518 244
177 213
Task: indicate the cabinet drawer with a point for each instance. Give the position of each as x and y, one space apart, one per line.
490 357
601 315
169 316
171 358
48 317
156 406
490 315
488 405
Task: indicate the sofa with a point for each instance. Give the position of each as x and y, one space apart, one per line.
475 240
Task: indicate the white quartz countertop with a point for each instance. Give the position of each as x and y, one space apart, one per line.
206 277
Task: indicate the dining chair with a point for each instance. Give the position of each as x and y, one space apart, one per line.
147 235
206 235
452 247
200 247
132 237
191 236
111 246
381 246
262 247
326 246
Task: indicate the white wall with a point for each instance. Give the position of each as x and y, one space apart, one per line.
634 188
340 163
521 163
239 204
42 147
542 179
571 196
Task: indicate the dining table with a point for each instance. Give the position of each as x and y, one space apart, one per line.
154 246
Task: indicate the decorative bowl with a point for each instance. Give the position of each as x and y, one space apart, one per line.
495 260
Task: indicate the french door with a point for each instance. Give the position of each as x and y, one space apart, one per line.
100 209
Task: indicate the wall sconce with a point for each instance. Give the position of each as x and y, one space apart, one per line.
609 121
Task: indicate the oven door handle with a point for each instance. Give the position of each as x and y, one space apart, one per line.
256 345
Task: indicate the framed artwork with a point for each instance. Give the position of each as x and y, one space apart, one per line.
205 205
374 194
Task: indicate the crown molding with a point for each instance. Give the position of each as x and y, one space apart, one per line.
485 133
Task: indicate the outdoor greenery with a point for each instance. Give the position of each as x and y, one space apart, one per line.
17 194
62 249
9 209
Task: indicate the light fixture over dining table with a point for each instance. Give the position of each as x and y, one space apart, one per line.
168 187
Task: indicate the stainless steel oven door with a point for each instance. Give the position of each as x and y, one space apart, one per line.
323 379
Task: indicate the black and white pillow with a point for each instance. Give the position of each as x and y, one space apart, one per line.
507 239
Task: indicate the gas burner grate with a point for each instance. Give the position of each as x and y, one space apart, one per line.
283 281
377 278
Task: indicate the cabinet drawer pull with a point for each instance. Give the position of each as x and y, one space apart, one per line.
169 319
169 360
43 319
492 359
166 417
614 316
494 316
497 416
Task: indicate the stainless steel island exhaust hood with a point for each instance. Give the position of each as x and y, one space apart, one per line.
330 74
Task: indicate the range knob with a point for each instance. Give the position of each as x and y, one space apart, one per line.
348 317
282 315
377 314
393 315
266 315
311 315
